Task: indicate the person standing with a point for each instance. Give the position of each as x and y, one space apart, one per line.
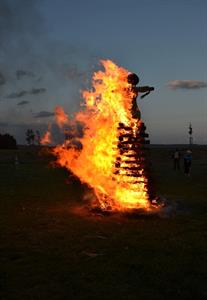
187 162
176 159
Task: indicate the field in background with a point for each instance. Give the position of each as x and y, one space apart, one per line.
48 251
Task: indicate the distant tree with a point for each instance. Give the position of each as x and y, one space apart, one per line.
30 137
7 141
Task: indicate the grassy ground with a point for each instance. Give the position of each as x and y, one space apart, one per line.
50 252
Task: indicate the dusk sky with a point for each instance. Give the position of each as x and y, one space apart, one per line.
50 48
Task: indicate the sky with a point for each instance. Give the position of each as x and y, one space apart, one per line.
50 49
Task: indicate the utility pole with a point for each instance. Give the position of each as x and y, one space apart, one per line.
190 131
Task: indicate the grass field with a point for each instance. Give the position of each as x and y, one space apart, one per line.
48 251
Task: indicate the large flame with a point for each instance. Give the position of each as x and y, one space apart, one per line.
105 106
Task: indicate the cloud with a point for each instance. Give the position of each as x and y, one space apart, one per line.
2 79
23 102
37 91
34 91
186 84
17 94
44 114
22 73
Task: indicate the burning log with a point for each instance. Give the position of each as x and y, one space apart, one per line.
122 126
138 168
134 161
133 175
138 154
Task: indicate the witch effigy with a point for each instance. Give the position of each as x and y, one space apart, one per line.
133 160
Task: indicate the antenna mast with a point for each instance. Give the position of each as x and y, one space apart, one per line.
190 131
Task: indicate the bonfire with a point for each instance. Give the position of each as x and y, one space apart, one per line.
110 155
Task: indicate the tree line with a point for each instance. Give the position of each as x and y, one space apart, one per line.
7 141
33 137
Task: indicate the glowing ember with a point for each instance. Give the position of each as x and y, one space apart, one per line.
106 115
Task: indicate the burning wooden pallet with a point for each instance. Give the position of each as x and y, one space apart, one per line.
133 159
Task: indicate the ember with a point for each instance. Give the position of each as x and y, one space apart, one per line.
112 158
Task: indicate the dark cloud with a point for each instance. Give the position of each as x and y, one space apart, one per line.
28 48
2 79
44 114
187 84
37 91
24 102
22 73
34 91
17 94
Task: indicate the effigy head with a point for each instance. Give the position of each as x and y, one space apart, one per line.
133 79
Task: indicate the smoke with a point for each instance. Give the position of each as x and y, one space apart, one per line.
28 50
187 84
30 55
18 28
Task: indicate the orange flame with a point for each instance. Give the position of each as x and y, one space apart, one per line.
46 139
105 106
61 117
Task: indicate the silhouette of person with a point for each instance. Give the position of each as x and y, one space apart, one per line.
187 162
176 159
